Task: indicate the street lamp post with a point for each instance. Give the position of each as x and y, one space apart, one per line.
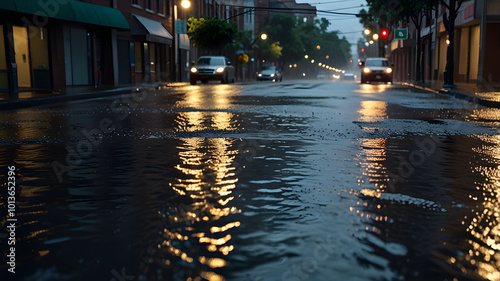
263 37
176 36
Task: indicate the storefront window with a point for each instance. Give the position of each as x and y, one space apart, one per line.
39 52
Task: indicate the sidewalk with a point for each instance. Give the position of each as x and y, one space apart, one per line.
486 95
38 98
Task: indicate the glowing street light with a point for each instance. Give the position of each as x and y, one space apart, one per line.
263 36
367 32
186 4
375 36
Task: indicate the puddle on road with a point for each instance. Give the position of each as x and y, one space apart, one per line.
210 184
433 195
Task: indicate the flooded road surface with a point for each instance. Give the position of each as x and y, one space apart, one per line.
310 180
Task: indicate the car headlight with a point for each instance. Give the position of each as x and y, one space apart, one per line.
272 74
220 69
366 70
194 70
260 74
388 70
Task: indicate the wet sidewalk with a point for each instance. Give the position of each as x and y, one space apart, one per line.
487 95
39 98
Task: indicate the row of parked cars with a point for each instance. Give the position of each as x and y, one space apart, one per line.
219 68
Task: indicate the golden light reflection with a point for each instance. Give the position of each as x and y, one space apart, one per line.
372 111
212 262
484 222
372 158
371 161
369 90
211 276
206 180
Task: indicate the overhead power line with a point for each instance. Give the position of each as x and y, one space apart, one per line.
303 10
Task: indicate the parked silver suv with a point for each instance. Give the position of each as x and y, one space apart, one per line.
209 68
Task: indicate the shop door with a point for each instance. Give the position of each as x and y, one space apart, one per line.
77 56
124 62
21 48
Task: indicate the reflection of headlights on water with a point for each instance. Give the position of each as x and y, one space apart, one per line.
260 75
272 75
366 70
220 69
388 70
194 70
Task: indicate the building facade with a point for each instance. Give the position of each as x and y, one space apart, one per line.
53 45
476 44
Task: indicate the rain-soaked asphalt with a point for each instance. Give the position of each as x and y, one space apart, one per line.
308 180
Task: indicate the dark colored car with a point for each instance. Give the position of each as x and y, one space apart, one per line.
269 73
209 68
376 70
348 76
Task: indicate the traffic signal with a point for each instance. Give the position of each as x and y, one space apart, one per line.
362 50
384 34
243 58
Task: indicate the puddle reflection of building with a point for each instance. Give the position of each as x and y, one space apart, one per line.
198 228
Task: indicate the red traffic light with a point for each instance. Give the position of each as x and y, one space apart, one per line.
384 34
362 50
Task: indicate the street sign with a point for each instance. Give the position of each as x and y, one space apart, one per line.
181 26
401 33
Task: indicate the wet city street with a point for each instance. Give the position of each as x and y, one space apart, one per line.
301 180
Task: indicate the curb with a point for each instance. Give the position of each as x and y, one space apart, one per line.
471 98
456 94
35 102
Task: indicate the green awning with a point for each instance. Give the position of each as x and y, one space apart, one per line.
7 5
70 10
99 15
